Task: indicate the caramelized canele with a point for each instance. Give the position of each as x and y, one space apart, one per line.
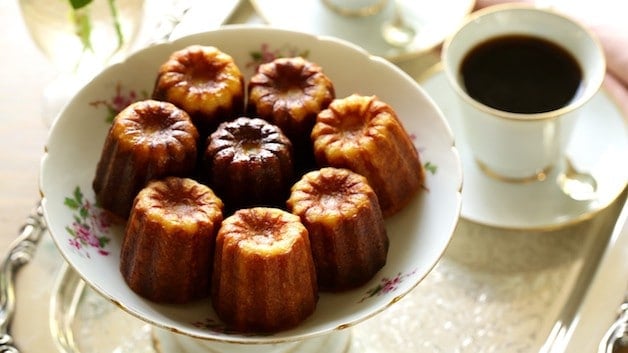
345 224
264 278
249 162
167 250
203 81
148 139
290 92
364 134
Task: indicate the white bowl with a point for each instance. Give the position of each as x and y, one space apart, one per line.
91 245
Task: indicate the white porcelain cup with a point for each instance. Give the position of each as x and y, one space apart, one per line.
521 146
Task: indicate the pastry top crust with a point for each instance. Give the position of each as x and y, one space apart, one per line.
180 203
151 125
262 231
331 194
290 92
199 79
248 139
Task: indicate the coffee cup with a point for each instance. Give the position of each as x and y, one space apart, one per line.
522 75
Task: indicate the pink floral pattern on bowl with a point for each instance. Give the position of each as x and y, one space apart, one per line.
121 98
90 226
266 54
386 285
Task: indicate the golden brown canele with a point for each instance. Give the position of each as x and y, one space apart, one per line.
203 81
167 250
148 139
249 162
345 224
264 278
364 134
290 92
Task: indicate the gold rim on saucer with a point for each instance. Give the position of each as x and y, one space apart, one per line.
538 176
364 11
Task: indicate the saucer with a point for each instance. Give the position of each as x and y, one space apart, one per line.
433 22
599 147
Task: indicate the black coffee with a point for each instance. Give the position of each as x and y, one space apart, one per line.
521 74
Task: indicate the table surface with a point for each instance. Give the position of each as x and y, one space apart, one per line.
22 138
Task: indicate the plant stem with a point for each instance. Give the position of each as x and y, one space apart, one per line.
83 27
116 22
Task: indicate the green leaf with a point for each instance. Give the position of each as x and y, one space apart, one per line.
103 241
77 4
255 55
83 212
72 204
112 114
430 167
78 195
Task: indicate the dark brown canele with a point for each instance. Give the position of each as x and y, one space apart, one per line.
167 251
148 139
346 227
264 278
249 163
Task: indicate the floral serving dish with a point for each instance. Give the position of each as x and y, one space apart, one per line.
89 239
